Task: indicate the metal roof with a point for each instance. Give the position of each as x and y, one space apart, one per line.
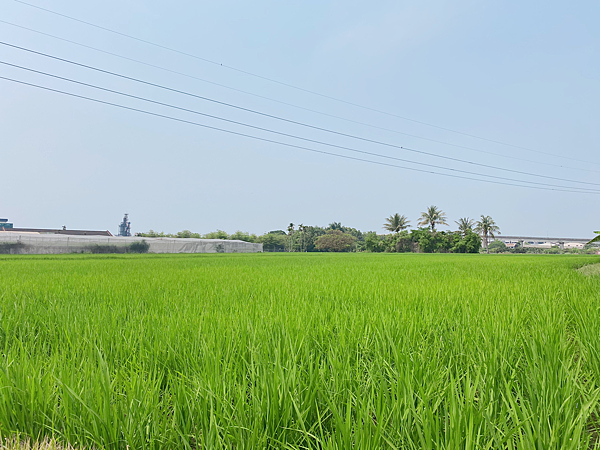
60 231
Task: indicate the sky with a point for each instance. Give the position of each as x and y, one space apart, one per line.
511 85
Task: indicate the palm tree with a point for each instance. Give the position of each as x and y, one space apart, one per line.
597 238
464 225
301 229
290 230
335 226
396 222
487 227
432 217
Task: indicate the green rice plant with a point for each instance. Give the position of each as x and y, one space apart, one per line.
317 351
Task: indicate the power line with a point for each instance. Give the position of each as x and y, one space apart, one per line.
295 87
286 134
296 106
293 145
281 118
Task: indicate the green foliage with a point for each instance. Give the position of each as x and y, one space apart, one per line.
590 270
243 236
308 237
548 251
187 234
135 247
486 227
302 238
7 248
597 238
273 242
520 249
153 233
465 225
423 240
373 242
219 234
354 351
139 247
402 242
104 249
396 223
432 217
469 243
497 247
432 242
335 241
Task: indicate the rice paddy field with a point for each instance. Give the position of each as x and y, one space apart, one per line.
307 351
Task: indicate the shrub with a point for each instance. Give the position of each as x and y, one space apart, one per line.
102 249
7 248
552 251
139 247
497 247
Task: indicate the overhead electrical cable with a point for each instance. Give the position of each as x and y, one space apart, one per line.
300 107
287 134
293 86
558 188
281 118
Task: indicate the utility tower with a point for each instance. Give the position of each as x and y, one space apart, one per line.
125 226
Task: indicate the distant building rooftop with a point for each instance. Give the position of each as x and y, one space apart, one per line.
52 231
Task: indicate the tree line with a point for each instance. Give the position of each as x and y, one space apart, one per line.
468 237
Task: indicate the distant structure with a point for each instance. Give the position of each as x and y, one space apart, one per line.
9 227
542 242
125 226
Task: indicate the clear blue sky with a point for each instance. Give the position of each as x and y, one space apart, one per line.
524 73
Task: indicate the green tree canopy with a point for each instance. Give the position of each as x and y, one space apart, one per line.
497 246
469 243
219 234
187 234
335 226
335 241
373 243
273 242
243 236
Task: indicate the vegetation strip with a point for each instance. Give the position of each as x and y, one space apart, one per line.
590 269
328 351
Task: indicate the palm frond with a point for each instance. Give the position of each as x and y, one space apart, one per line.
396 223
596 239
